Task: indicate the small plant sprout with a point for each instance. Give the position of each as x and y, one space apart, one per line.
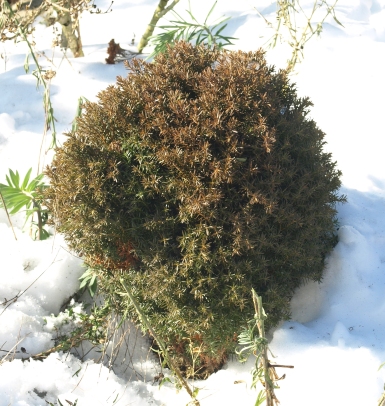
253 341
81 101
20 193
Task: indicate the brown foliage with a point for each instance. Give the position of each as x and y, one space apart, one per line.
113 50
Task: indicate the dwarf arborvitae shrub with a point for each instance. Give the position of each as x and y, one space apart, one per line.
196 178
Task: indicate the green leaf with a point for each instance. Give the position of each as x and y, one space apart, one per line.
89 280
26 63
211 10
77 372
260 399
26 179
93 287
17 207
84 283
86 274
199 40
35 183
195 393
15 178
337 21
164 380
44 234
191 14
93 279
220 29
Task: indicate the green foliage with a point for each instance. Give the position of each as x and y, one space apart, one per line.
253 342
195 179
79 111
89 281
20 193
73 326
191 31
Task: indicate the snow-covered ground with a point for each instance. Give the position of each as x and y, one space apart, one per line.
336 338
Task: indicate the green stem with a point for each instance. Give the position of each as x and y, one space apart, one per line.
39 220
260 318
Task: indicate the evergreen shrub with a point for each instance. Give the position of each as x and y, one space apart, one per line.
197 178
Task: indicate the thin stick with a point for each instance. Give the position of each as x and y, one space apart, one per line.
279 366
80 378
11 350
40 77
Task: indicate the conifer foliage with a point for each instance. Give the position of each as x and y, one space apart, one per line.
195 179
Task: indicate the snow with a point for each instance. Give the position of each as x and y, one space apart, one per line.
336 337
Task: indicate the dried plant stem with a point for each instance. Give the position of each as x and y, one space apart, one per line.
160 11
12 350
48 109
9 218
161 344
297 36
